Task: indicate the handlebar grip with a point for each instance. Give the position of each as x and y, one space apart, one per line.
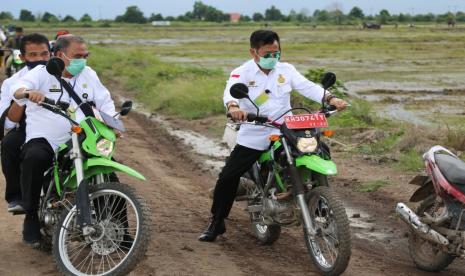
252 117
48 101
332 108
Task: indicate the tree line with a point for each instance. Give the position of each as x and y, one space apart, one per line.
203 12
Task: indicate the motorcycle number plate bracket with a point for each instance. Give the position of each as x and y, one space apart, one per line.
306 121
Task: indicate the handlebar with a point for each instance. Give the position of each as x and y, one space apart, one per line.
51 103
253 118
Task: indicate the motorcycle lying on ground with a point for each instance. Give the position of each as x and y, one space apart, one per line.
290 186
95 226
437 227
13 62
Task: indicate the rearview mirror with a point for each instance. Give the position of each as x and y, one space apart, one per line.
328 80
125 108
55 66
239 91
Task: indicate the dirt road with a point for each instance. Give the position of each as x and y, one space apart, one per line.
176 190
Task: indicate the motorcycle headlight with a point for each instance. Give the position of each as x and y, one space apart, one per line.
105 147
307 145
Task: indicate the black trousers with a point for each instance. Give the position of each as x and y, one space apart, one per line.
11 161
239 162
36 157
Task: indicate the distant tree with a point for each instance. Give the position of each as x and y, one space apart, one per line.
6 16
337 16
156 17
245 18
49 18
402 18
204 12
68 18
257 17
321 15
356 12
26 15
303 15
460 16
384 16
86 18
132 15
170 18
273 14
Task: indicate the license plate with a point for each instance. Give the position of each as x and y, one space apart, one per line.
305 121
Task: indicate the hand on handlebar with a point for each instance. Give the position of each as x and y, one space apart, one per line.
237 114
340 104
35 96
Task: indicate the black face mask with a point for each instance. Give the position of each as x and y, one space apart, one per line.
32 64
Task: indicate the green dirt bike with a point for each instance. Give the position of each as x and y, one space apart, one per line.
94 225
290 186
13 62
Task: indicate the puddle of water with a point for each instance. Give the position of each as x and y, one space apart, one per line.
200 144
365 226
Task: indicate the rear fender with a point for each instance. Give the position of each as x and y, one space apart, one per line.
423 192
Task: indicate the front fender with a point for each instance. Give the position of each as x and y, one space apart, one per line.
95 166
317 164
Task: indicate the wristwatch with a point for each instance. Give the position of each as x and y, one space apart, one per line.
233 104
329 97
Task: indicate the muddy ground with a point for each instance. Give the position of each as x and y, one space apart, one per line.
177 188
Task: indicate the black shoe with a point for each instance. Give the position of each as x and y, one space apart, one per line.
215 228
15 207
31 229
35 244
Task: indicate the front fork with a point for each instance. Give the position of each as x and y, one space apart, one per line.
299 192
82 194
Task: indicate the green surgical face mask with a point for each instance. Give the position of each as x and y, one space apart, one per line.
76 66
268 61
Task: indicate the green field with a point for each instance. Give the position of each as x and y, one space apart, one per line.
415 75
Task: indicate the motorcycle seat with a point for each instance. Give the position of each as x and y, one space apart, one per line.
451 167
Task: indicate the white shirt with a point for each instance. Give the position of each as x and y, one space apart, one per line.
6 95
42 123
280 81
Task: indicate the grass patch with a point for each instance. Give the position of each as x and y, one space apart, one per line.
186 91
371 186
410 161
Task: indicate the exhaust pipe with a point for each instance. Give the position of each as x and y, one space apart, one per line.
423 230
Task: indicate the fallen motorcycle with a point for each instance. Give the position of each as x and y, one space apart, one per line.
437 227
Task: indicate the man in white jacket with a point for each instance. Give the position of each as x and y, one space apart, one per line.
45 130
270 85
34 51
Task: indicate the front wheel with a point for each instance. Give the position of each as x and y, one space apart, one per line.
121 219
330 248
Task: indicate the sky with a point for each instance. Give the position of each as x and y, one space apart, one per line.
109 9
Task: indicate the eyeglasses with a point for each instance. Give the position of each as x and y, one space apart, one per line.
274 55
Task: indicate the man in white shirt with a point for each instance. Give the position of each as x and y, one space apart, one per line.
34 51
45 131
270 83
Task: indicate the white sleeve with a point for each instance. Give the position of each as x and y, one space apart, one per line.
31 80
305 87
5 99
102 98
236 77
